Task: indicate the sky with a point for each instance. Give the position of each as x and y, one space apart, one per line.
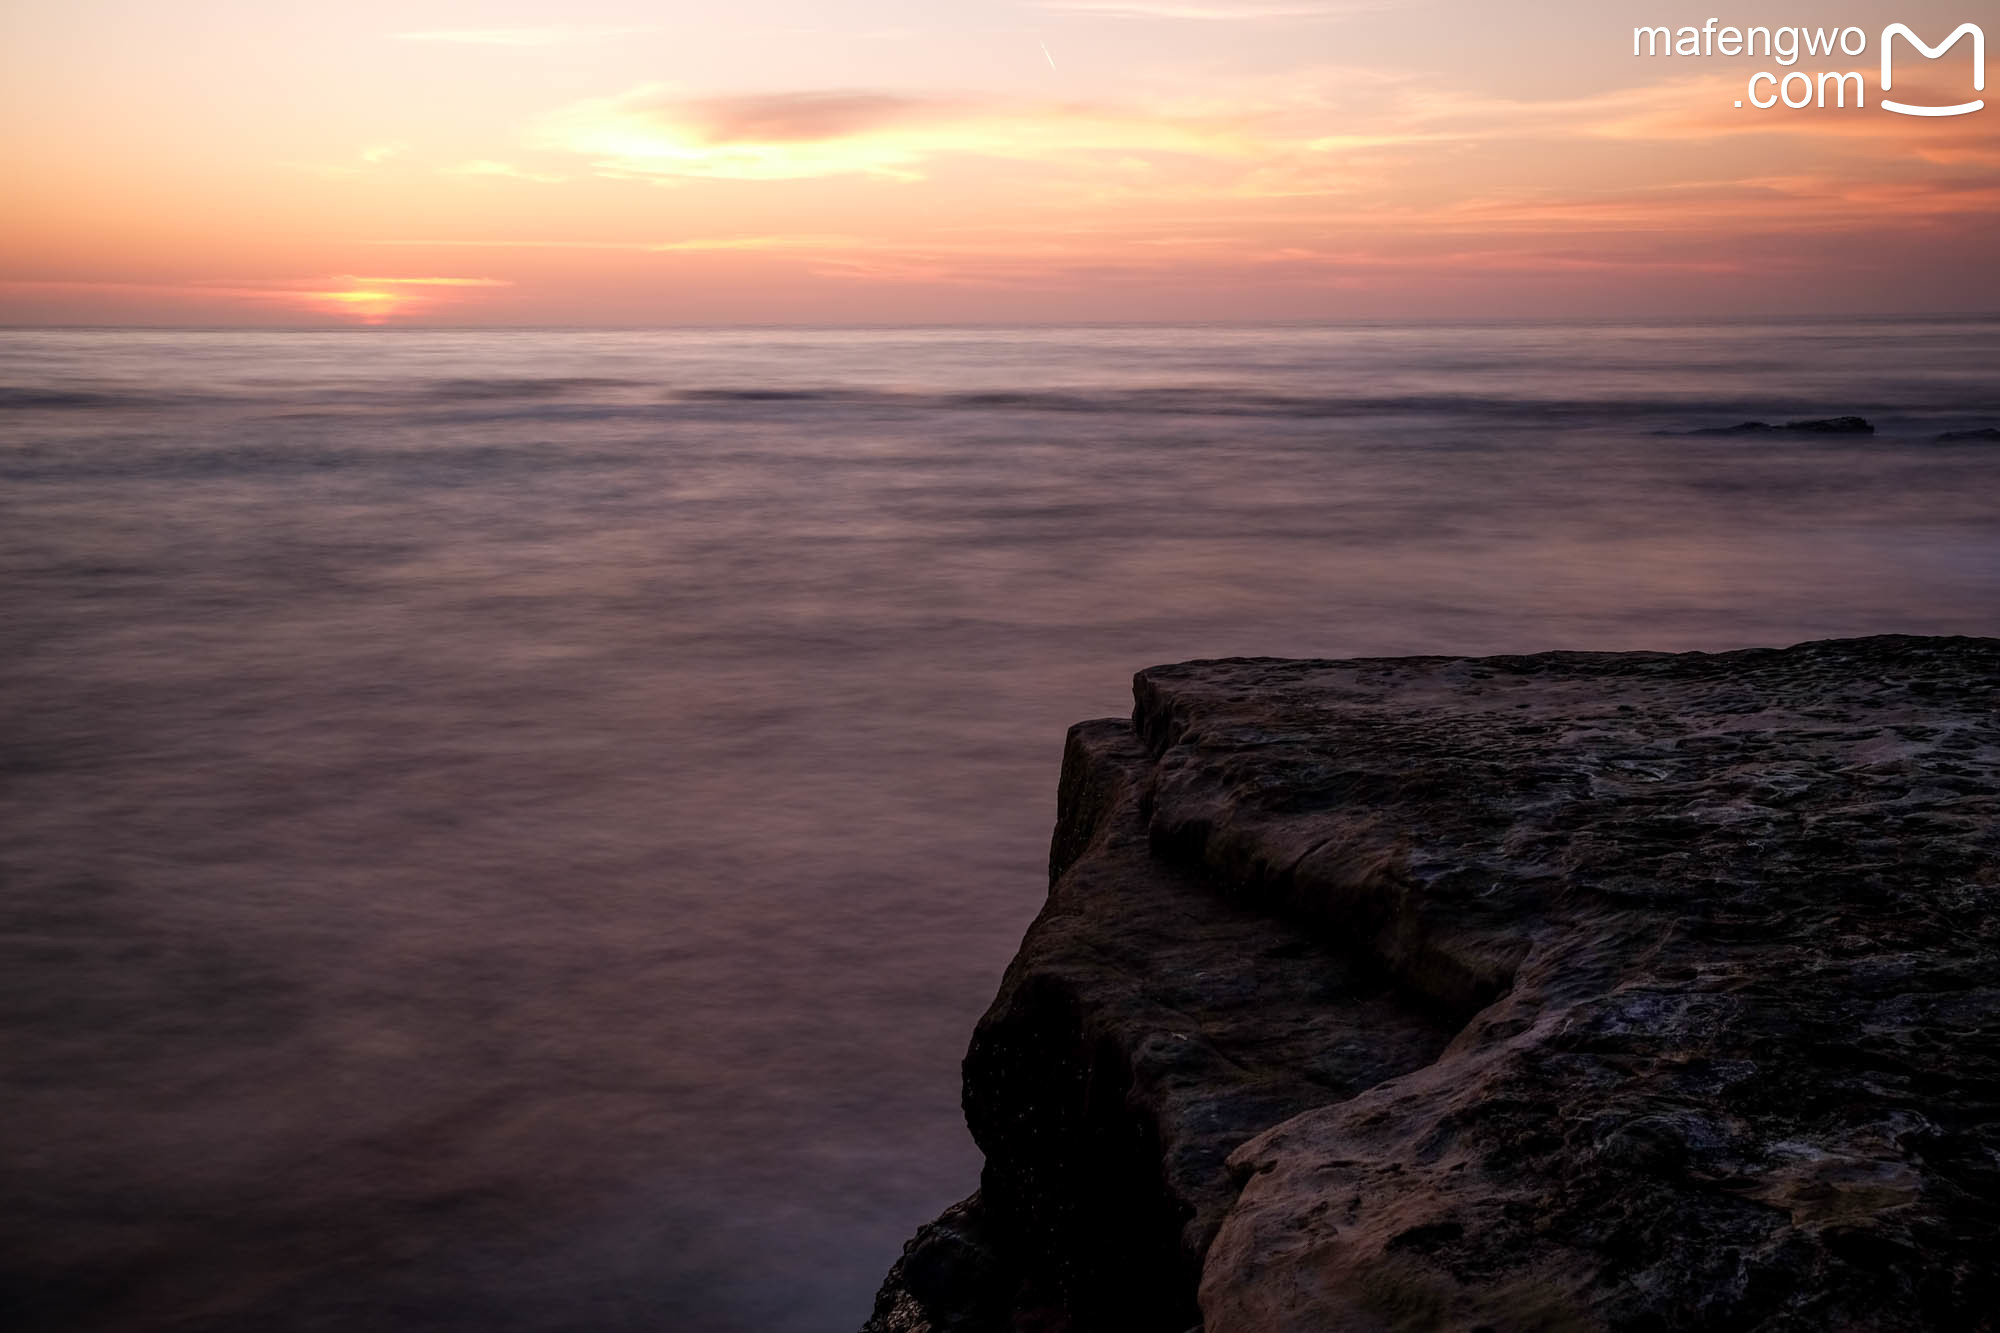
607 162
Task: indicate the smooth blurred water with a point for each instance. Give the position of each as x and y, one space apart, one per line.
512 830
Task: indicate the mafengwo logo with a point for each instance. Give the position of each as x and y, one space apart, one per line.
1798 89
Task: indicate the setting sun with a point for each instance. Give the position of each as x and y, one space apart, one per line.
377 300
369 306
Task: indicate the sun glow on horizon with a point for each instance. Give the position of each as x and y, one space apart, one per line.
370 306
378 300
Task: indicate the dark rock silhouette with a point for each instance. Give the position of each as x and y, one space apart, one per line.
1989 434
1573 991
1822 426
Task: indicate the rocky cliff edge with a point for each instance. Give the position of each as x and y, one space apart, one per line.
1560 992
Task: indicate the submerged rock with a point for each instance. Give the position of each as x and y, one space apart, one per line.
1572 991
1988 434
1822 426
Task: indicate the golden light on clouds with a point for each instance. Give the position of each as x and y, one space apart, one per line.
650 133
785 137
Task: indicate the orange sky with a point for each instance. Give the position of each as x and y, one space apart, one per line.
228 162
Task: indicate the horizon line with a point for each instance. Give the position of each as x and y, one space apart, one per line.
1443 321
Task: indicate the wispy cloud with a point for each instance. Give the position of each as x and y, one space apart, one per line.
1214 12
801 243
518 36
649 133
508 243
426 282
505 171
365 161
802 117
804 242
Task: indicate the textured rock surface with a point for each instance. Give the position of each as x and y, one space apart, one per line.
1573 991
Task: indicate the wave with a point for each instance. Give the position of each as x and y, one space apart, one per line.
1222 401
139 459
458 390
34 399
560 398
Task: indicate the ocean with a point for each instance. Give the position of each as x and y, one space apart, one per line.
512 830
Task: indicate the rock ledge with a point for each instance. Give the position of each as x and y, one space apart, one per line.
1572 991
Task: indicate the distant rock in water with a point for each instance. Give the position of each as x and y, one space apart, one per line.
1822 426
1579 991
1988 434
